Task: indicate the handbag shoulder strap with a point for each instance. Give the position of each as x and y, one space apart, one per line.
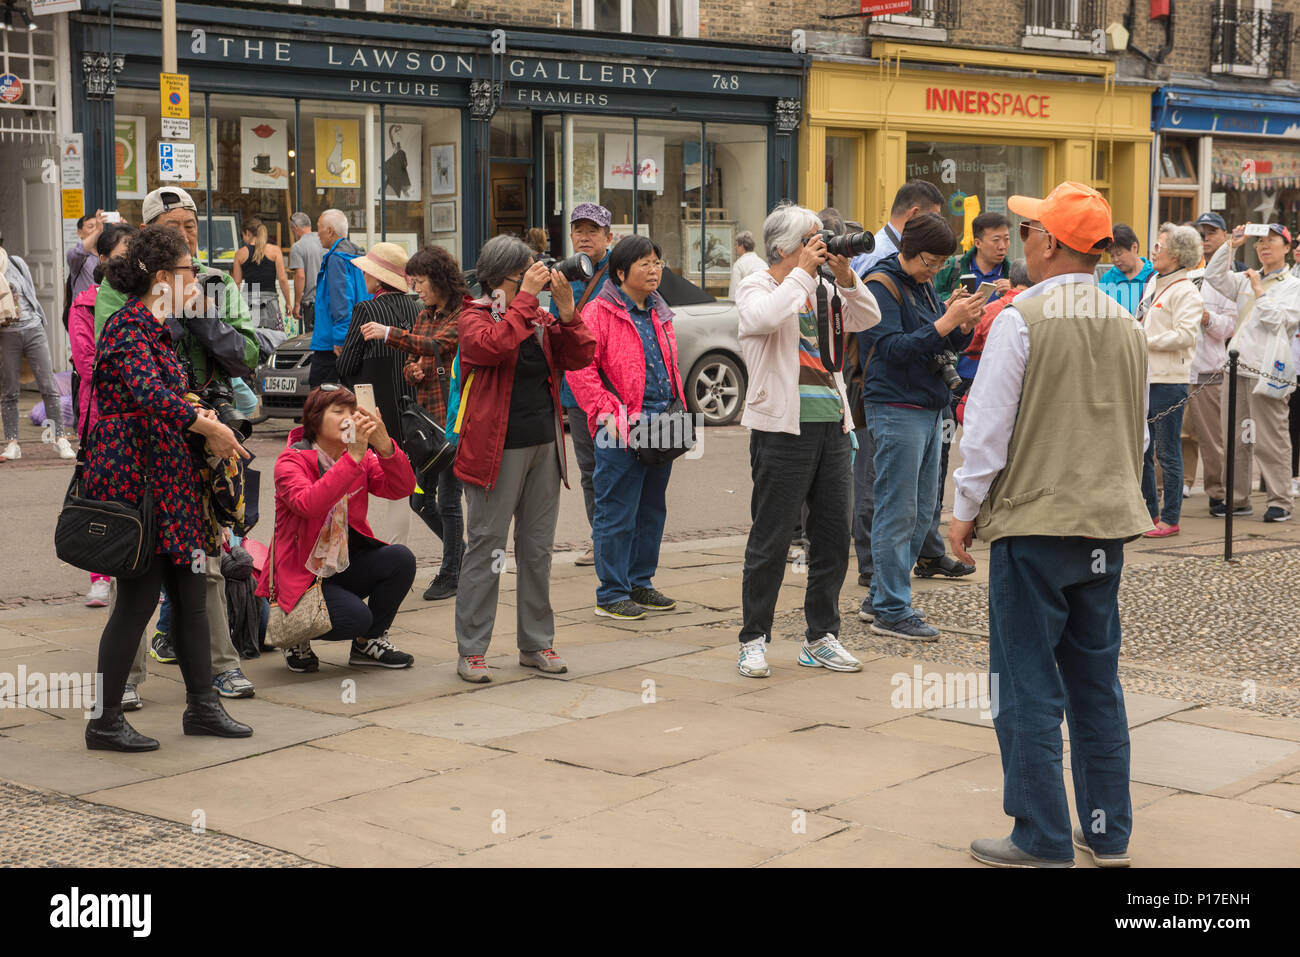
597 281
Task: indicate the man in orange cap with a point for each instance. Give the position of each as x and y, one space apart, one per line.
1067 371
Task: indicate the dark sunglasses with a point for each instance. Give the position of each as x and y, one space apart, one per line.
1025 228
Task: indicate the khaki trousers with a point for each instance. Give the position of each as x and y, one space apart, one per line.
1263 436
1203 434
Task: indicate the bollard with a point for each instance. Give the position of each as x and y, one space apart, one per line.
1231 463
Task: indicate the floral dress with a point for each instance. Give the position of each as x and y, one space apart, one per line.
140 389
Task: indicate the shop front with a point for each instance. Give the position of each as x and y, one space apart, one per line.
423 133
981 126
1236 154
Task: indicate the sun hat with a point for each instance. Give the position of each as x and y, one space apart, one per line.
386 262
1077 215
596 213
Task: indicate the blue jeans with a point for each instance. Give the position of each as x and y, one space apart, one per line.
628 524
1054 640
864 476
909 443
1167 444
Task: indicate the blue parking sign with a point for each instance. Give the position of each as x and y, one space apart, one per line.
166 159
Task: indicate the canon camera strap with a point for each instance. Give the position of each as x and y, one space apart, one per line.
830 329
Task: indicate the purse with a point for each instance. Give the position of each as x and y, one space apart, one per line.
423 440
106 537
309 619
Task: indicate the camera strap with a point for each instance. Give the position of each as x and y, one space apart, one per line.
830 329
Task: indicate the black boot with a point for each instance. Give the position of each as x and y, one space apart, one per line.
204 714
110 732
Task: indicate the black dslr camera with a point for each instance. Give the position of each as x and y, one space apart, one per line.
847 244
944 364
577 267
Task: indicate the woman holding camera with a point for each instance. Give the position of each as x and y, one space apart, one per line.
905 392
797 413
633 377
511 450
140 389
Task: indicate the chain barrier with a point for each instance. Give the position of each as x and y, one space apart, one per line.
1218 380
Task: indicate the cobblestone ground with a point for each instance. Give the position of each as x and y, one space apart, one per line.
37 824
1194 629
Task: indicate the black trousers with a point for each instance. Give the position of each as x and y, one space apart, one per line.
381 573
324 368
136 600
439 506
789 470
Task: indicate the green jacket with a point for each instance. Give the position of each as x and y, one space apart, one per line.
957 266
230 340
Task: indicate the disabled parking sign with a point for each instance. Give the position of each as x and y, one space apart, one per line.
177 162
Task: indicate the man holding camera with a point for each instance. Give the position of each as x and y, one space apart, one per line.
215 345
1057 522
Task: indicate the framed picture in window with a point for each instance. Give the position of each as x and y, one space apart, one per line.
719 240
225 239
442 216
508 199
442 169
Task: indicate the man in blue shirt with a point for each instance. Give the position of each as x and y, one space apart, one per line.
339 287
1126 280
589 230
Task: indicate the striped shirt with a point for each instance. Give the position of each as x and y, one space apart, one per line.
372 361
819 399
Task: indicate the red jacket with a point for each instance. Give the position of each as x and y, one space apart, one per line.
304 498
81 335
489 347
621 356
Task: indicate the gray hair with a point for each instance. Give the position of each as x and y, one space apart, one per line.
1018 273
301 220
336 220
745 240
500 257
784 228
1184 244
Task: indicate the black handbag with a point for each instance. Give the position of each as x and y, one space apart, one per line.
106 537
423 440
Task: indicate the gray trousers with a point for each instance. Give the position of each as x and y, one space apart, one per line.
527 490
224 655
585 452
14 343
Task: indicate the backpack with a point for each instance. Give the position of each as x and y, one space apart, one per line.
856 384
457 394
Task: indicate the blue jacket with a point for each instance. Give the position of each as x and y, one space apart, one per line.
1127 292
579 287
905 341
339 287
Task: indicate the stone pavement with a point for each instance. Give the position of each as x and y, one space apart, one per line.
652 750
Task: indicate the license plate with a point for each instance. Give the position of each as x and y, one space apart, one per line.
280 384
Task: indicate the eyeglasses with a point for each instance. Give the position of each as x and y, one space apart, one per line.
656 265
1026 227
518 282
1156 247
927 264
191 268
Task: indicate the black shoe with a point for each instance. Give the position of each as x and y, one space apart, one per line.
301 659
652 599
161 648
623 609
110 732
1219 509
379 652
1275 514
944 565
1215 503
864 579
204 714
439 589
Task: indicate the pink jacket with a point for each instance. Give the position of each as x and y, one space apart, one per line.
619 354
304 497
81 333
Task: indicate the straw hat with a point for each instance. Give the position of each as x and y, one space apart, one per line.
386 262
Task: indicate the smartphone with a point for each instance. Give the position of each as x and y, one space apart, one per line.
1257 229
113 217
969 282
986 291
365 393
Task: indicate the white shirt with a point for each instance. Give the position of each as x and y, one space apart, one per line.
746 265
994 403
885 247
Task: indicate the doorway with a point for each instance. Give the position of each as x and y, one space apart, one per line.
510 177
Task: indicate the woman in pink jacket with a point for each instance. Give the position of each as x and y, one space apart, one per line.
111 244
322 486
634 375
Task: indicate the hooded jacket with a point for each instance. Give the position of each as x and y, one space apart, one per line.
304 498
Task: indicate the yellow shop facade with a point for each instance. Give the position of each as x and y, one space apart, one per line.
981 125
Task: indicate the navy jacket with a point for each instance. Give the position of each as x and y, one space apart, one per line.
904 342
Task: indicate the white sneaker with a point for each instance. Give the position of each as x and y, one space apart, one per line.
12 451
752 662
64 448
1187 491
97 597
827 652
1295 488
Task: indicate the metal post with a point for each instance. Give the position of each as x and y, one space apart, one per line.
1228 501
169 36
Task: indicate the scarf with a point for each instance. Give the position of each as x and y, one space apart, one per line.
9 308
329 555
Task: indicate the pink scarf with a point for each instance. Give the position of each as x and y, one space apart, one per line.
329 555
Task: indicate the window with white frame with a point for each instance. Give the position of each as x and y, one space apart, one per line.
921 14
668 18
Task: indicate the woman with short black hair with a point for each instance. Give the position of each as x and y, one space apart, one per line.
632 379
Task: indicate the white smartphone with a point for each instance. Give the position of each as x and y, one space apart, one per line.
1257 229
113 217
365 393
986 291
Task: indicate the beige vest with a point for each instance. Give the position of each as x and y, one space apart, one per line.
1074 464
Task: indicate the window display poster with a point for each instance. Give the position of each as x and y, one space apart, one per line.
403 172
995 192
442 169
263 153
199 137
128 146
338 153
586 168
621 171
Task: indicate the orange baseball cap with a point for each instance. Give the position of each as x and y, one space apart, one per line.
1077 215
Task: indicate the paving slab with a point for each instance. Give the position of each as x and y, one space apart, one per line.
564 699
1284 796
815 768
240 792
662 686
853 700
342 841
463 718
494 802
686 615
719 665
406 747
625 652
70 772
717 593
651 737
1138 707
1196 830
872 847
1246 722
915 727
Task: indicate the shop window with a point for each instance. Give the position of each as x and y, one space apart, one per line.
1176 165
672 18
418 170
925 20
1072 25
736 197
841 174
136 133
1178 207
669 189
986 174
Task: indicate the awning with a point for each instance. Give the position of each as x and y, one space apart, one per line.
1195 111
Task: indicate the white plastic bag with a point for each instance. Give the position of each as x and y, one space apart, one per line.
1278 368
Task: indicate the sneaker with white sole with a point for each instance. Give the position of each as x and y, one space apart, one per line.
827 652
624 610
233 684
473 668
545 660
870 616
588 557
64 448
752 662
379 652
913 629
97 597
301 659
131 699
1101 858
12 451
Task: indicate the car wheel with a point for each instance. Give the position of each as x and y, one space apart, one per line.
715 389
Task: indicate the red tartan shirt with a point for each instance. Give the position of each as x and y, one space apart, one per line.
433 342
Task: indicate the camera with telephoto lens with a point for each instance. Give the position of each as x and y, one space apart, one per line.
577 267
847 244
944 364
